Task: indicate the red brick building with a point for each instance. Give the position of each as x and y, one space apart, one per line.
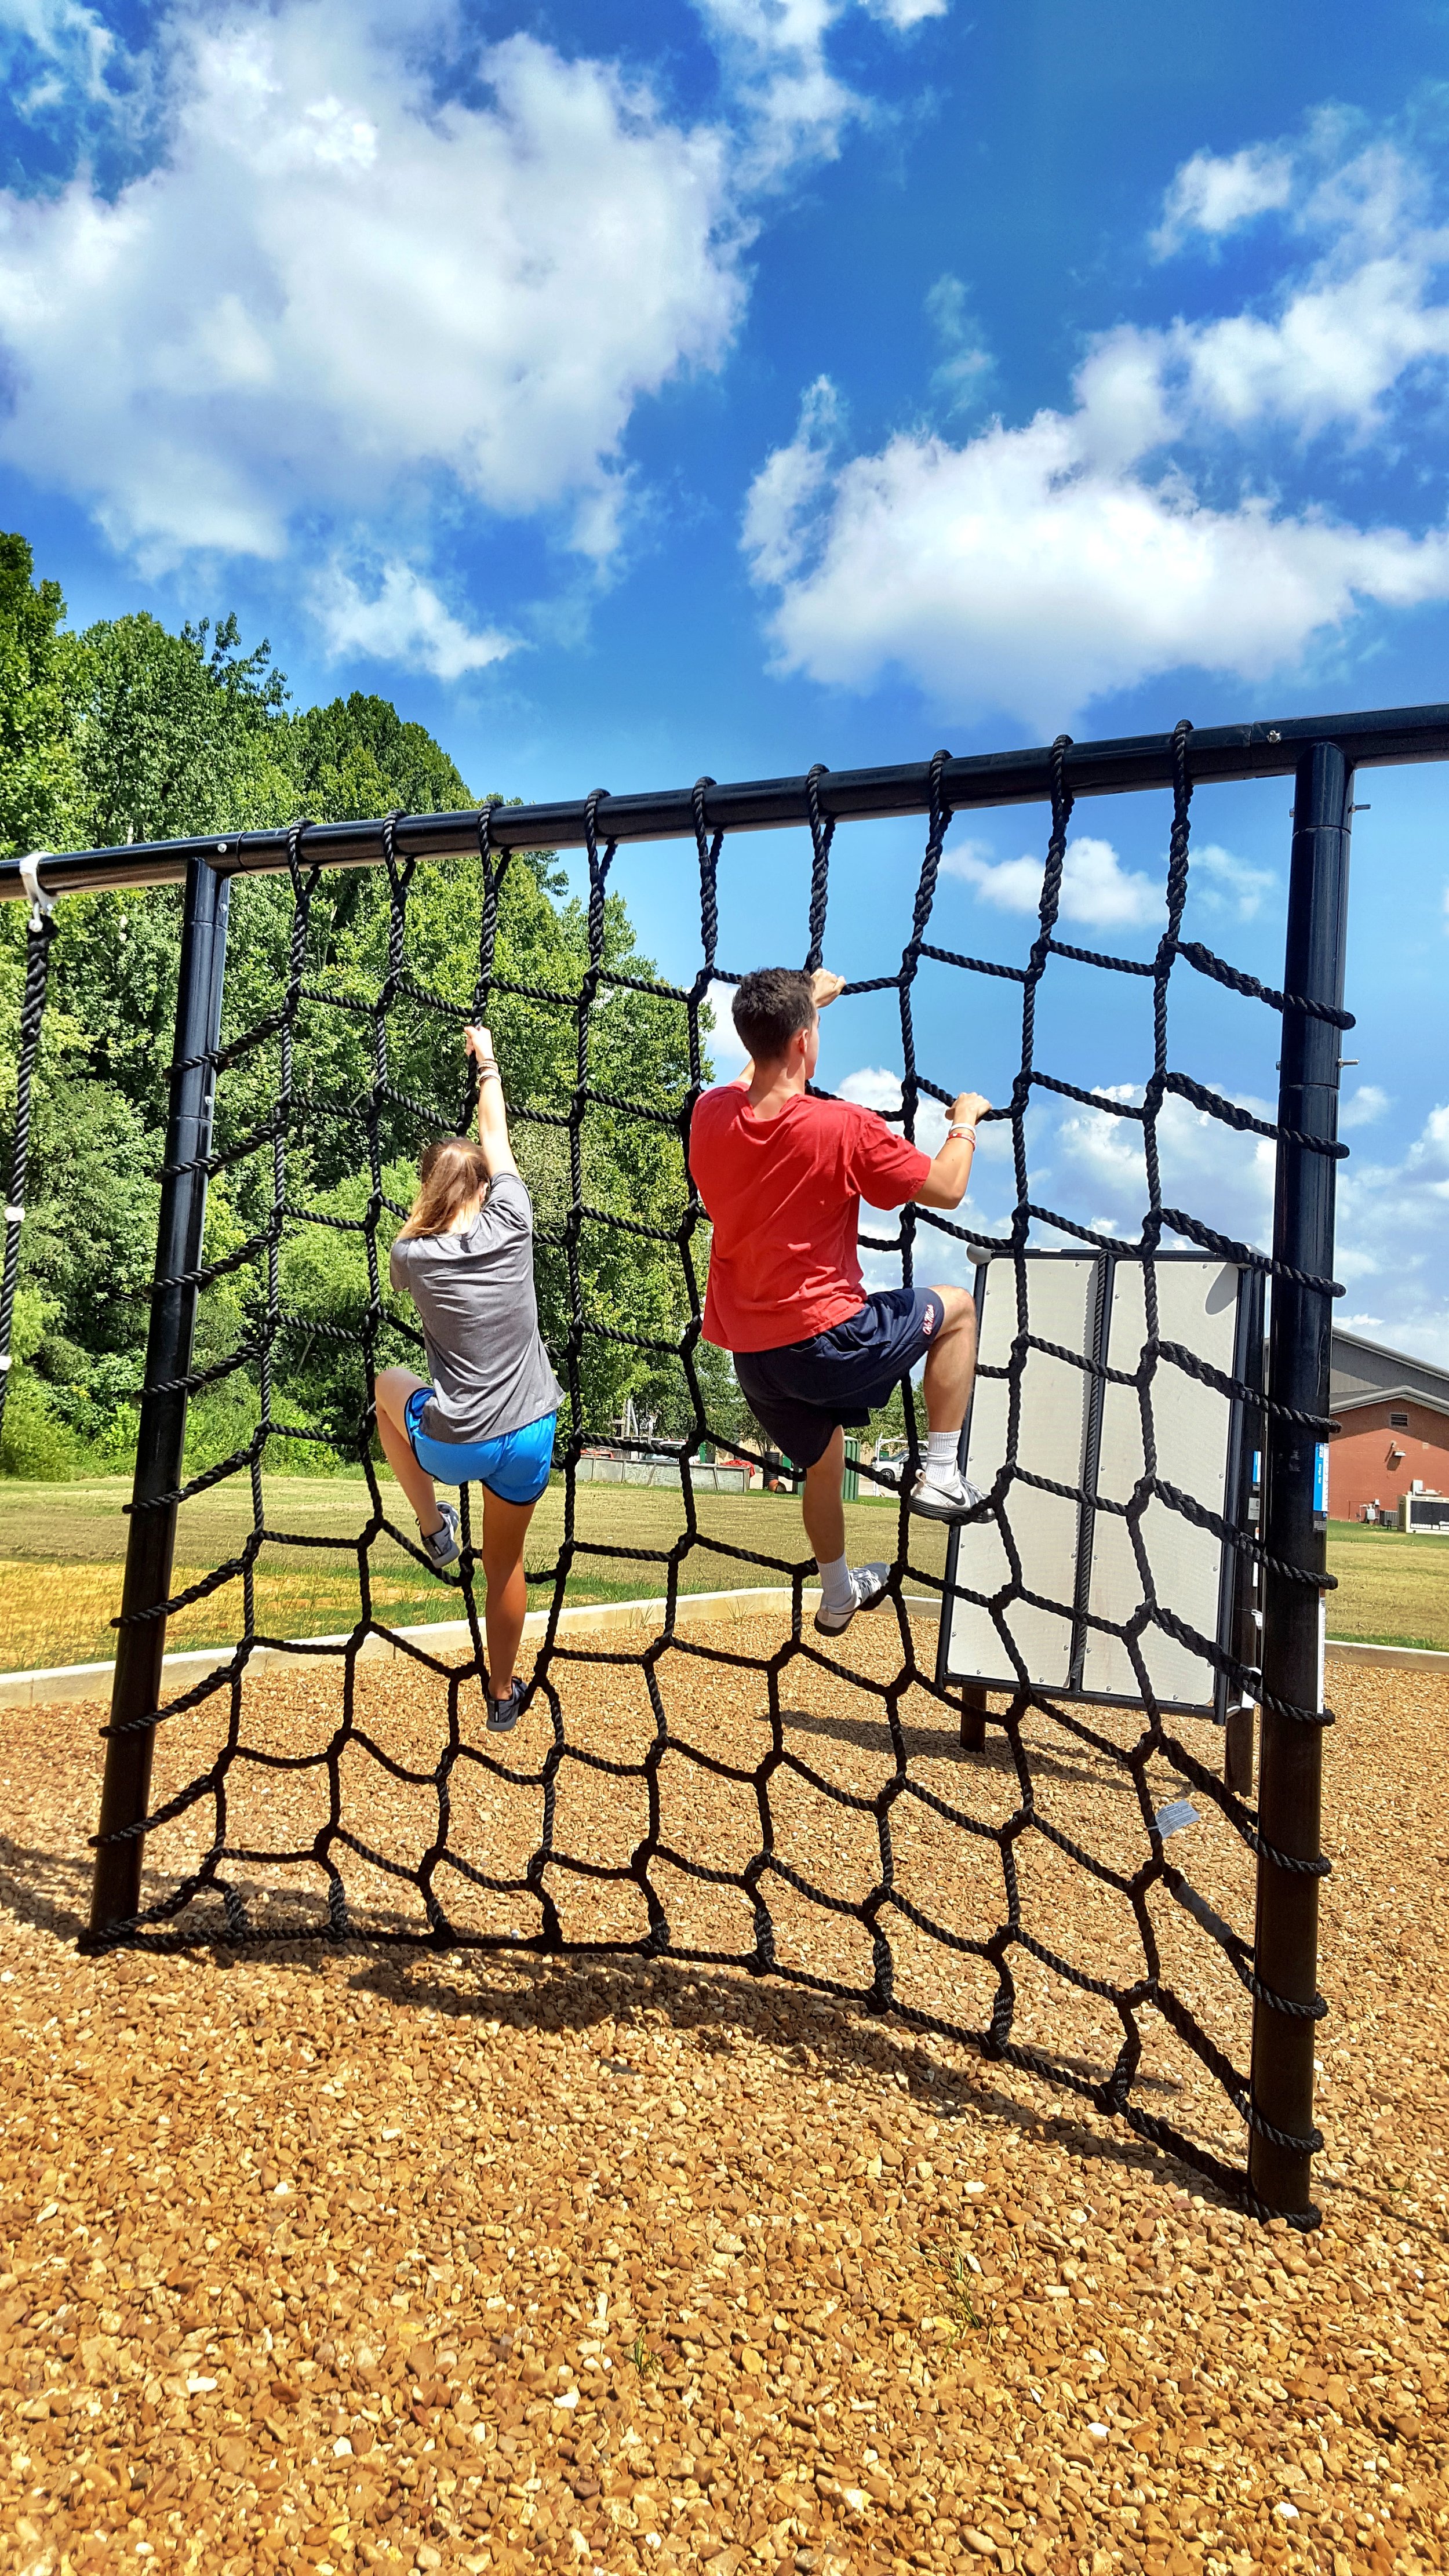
1395 1417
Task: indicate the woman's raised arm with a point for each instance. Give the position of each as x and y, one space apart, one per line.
492 1114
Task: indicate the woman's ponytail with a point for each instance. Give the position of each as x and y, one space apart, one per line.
451 1176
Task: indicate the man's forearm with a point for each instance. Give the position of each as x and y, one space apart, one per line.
945 1184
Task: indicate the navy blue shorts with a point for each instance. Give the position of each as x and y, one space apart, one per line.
800 1393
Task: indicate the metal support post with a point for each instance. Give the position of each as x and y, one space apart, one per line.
1291 1754
161 1434
973 1717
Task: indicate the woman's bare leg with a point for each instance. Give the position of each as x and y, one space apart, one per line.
390 1390
505 1527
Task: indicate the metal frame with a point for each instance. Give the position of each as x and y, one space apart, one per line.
1321 753
1218 753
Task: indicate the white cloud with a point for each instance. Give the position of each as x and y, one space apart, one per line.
1393 1240
967 366
404 621
1338 336
1033 568
787 484
1367 1103
52 50
1096 887
1393 1217
724 1043
1334 350
1016 573
329 288
774 55
1214 1172
1214 194
873 1085
1226 884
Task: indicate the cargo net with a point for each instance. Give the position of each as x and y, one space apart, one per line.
723 1792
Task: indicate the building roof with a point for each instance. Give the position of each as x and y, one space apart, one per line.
1363 1372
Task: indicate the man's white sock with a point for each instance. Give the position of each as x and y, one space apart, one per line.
941 1448
835 1583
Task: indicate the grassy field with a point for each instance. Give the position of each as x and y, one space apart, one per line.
62 1546
62 1549
1392 1590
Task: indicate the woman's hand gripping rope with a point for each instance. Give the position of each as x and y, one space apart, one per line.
492 1114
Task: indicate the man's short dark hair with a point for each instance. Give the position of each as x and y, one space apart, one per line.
770 1008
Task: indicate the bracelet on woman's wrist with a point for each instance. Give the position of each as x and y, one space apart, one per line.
969 1133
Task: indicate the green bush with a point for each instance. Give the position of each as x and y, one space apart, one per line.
35 1444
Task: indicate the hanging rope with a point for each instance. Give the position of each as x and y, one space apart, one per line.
39 935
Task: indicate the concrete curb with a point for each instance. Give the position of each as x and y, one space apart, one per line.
450 1638
1403 1659
447 1639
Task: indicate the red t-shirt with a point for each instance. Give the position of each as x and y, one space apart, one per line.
783 1195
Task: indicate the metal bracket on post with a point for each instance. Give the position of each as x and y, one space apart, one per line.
1287 2007
161 1433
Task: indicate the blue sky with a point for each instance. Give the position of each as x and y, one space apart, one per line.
635 391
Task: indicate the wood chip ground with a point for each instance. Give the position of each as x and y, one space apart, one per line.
331 2258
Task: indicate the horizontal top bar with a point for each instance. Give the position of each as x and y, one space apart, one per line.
1218 752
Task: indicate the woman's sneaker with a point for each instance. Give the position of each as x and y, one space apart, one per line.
442 1545
868 1590
944 1498
503 1713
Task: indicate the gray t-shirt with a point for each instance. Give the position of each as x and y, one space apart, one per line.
474 1293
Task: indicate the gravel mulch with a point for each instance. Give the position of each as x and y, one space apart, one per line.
352 2257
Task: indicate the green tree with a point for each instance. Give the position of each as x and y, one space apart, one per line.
357 757
40 794
178 734
131 732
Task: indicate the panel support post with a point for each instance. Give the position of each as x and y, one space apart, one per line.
973 1717
161 1433
1300 1344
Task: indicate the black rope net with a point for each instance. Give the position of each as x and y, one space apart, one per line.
748 1795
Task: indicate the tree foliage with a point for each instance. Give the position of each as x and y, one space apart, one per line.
130 732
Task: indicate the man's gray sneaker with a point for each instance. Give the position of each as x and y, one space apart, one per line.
868 1590
944 1498
503 1713
442 1546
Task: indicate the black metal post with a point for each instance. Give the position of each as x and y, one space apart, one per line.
1291 1754
161 1435
973 1715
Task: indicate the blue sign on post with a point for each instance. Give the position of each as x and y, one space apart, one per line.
1320 1481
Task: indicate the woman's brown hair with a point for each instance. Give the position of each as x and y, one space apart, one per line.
451 1175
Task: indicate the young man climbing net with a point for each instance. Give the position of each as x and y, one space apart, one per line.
782 1175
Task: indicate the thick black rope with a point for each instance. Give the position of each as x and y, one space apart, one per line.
40 933
297 1111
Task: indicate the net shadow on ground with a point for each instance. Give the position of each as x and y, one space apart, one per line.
48 1890
774 1807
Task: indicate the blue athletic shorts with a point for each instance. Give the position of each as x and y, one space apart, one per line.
515 1467
801 1392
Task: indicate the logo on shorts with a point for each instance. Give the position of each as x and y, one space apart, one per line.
928 1322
